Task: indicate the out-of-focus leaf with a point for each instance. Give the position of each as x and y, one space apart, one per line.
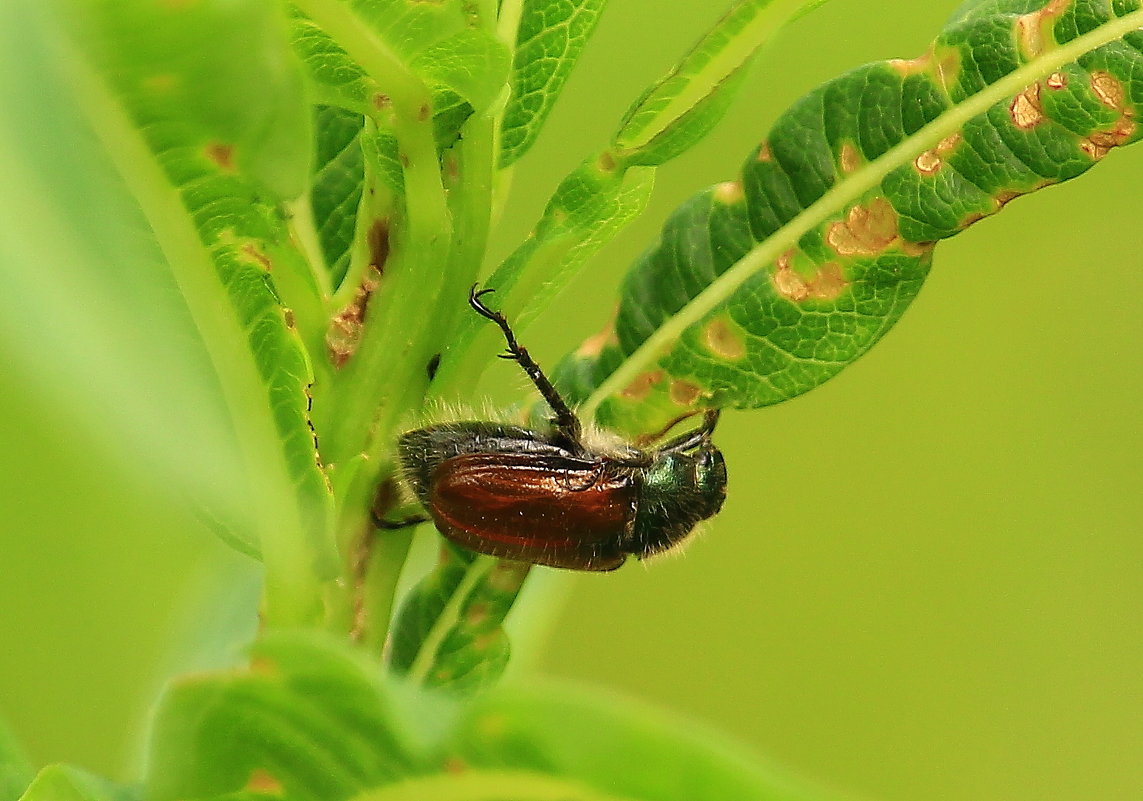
337 78
765 287
612 744
64 783
309 718
15 769
226 66
489 785
178 94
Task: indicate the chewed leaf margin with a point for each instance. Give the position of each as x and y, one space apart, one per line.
765 287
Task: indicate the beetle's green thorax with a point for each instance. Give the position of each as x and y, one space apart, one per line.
678 491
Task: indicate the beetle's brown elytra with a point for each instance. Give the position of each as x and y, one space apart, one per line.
550 497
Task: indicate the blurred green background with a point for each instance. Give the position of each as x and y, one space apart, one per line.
928 578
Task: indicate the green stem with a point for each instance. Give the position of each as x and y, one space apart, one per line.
386 558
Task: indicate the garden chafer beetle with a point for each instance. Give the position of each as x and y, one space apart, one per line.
563 497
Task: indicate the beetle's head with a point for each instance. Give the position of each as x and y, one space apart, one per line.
678 491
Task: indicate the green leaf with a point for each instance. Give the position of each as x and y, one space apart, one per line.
763 288
178 135
309 717
337 79
679 110
64 783
225 66
15 769
449 631
550 37
488 785
473 63
612 744
338 183
398 45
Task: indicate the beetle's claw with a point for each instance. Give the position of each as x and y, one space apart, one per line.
474 301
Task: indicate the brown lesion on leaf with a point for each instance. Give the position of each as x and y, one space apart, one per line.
912 66
252 253
160 83
1110 92
1034 28
1099 143
454 765
931 161
866 230
946 66
1056 81
1026 110
288 317
729 193
263 782
642 385
764 152
941 64
477 615
482 642
724 339
507 577
915 249
591 347
345 327
684 393
849 159
378 240
221 154
1006 196
825 284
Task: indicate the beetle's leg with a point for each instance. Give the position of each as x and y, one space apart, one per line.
596 476
693 439
393 525
567 423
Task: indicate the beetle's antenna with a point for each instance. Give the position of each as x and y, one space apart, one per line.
692 439
567 423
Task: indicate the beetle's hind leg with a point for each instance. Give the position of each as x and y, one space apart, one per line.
394 525
567 424
693 439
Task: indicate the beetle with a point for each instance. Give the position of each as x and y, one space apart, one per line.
563 497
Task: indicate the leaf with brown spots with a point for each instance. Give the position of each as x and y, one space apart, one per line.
449 632
763 288
307 718
204 110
